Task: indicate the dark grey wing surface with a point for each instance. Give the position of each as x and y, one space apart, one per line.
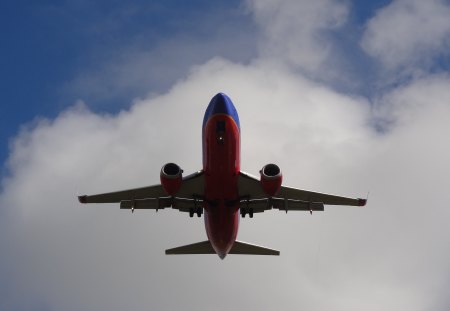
154 191
255 200
188 197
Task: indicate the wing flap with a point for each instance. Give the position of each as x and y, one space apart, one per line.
150 203
181 204
296 205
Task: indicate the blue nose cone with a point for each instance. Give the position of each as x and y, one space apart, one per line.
221 104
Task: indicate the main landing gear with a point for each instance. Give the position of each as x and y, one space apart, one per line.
196 210
245 211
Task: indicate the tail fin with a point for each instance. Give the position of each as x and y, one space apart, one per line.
239 248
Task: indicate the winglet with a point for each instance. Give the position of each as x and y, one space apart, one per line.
82 199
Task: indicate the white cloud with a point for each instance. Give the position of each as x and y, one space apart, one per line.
391 255
295 30
409 34
59 254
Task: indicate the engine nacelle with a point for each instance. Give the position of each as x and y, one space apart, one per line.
171 178
271 179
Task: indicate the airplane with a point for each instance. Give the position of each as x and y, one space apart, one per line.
220 190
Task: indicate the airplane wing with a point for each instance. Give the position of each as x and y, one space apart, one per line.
188 199
254 200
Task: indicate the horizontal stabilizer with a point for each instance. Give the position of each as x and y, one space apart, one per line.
196 248
242 248
239 248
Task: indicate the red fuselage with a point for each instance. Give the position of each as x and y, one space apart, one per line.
221 164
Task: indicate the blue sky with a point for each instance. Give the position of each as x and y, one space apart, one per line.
345 96
48 45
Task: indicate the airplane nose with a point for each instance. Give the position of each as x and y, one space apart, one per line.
220 103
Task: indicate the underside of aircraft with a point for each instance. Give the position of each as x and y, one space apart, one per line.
220 191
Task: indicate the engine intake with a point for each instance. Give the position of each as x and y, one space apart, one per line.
271 179
171 178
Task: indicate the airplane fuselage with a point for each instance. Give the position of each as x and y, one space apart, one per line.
221 165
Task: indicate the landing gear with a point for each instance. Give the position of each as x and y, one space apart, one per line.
197 210
245 211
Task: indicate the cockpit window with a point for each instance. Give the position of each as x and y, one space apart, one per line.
220 127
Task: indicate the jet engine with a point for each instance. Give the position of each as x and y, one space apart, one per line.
271 179
171 177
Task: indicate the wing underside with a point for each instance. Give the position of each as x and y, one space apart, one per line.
254 200
188 199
